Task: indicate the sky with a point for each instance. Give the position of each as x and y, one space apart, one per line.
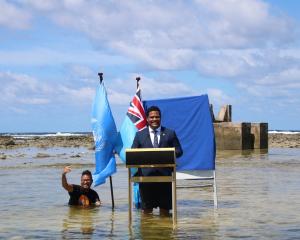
245 53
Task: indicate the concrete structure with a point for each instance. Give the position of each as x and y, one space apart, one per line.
259 135
233 136
224 114
241 136
238 136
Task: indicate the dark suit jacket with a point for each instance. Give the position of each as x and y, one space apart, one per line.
168 138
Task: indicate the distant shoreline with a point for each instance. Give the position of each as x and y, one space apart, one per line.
281 140
10 142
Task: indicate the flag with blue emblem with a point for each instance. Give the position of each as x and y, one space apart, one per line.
105 135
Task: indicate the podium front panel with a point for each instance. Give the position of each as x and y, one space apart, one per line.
150 156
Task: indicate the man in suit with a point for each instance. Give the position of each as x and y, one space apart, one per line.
155 195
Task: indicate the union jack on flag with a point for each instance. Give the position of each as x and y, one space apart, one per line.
136 112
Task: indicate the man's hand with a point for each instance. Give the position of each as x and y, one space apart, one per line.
64 181
66 170
98 203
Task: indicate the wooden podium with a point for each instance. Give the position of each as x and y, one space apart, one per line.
151 158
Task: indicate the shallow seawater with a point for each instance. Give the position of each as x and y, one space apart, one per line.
258 198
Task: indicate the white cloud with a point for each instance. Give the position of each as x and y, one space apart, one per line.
237 25
173 24
271 96
119 98
34 101
287 78
151 88
155 88
18 110
46 56
21 88
45 5
219 39
218 97
280 87
245 63
77 96
185 36
168 59
13 17
223 63
121 90
81 71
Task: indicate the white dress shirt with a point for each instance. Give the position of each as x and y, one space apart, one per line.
151 132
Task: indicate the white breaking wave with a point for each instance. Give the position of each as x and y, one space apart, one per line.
284 132
31 135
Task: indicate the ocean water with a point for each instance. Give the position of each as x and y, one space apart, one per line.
55 134
258 198
44 134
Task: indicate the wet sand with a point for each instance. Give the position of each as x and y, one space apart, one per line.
6 142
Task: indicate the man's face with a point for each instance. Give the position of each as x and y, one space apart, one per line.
153 119
86 181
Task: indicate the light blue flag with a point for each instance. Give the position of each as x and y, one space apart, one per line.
125 137
125 140
135 120
105 135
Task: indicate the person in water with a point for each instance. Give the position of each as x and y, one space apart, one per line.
81 195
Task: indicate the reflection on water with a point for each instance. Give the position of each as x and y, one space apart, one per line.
152 225
258 195
78 219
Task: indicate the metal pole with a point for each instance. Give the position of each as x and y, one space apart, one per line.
112 193
101 77
174 196
129 197
215 191
137 82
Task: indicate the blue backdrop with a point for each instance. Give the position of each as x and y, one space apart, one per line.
191 119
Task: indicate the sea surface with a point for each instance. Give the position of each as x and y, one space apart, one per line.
258 198
55 134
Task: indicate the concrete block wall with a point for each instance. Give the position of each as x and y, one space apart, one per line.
259 135
241 136
233 136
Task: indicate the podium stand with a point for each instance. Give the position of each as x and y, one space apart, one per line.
152 158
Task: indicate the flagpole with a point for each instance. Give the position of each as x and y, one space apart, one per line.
101 77
110 178
137 82
112 193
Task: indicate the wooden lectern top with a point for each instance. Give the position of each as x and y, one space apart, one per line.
150 156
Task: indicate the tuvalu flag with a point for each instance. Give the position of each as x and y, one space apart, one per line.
135 120
105 136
